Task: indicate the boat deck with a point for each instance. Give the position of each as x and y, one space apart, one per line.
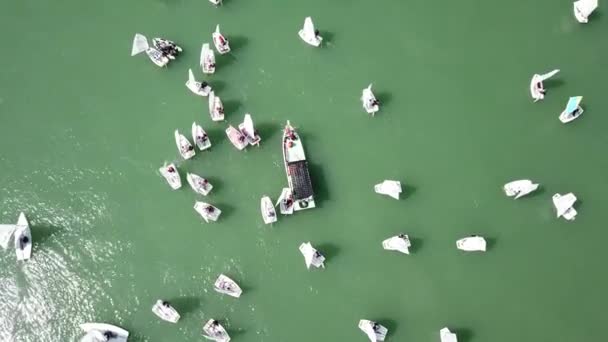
300 179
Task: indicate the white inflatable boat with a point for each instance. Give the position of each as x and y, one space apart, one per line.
370 103
216 108
221 43
285 202
573 110
171 175
236 138
472 243
519 188
583 9
537 89
140 44
200 137
447 336
312 257
400 243
198 88
564 206
165 311
246 127
185 148
389 187
309 34
207 60
269 215
227 286
374 331
199 184
207 211
102 332
213 330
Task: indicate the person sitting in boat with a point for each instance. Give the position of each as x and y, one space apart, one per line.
575 112
202 138
108 334
204 85
209 209
223 41
170 169
317 33
203 183
376 327
166 304
288 202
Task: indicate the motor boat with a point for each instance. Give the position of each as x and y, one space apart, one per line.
312 257
207 211
207 60
519 188
246 127
309 34
583 9
236 138
537 89
200 137
400 243
216 108
165 311
102 332
171 175
22 235
198 88
227 286
213 330
166 47
374 331
447 336
390 188
573 110
221 43
285 202
370 103
472 243
199 184
296 168
564 205
185 148
269 215
140 44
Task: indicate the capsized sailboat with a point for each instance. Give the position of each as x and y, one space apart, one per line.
309 34
216 107
246 127
537 88
374 331
221 43
572 111
140 44
207 60
519 188
564 205
169 172
370 103
583 9
200 137
296 168
198 88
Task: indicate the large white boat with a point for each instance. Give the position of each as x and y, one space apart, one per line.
296 169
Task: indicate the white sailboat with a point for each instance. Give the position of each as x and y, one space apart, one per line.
200 137
166 47
227 286
216 108
573 110
216 2
185 148
390 188
472 243
296 169
519 188
236 138
564 206
207 211
370 103
221 43
198 88
22 235
400 243
110 333
537 89
199 184
169 172
140 44
213 330
583 9
246 127
269 215
312 257
374 331
447 336
165 311
207 60
285 202
309 34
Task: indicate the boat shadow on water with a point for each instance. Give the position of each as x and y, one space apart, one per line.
217 137
267 130
186 305
409 190
417 244
42 233
227 210
218 86
384 97
490 245
231 109
237 43
328 37
463 334
553 83
390 324
329 250
319 184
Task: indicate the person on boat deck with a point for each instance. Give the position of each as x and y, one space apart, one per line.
288 202
166 304
204 85
190 147
317 33
574 112
376 327
223 41
170 169
317 255
108 334
210 209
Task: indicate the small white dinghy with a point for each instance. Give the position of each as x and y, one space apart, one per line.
400 243
519 188
309 34
216 108
213 330
236 138
165 311
23 239
185 148
199 184
200 137
207 211
573 110
537 89
583 9
216 2
269 215
285 202
102 332
389 187
169 172
140 44
198 88
221 43
370 103
246 127
447 336
227 286
207 60
374 331
472 243
564 205
312 257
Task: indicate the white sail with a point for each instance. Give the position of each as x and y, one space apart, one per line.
216 108
236 138
308 34
564 205
221 43
447 336
165 311
400 243
140 44
374 331
390 188
195 86
369 100
6 232
227 286
583 9
200 137
537 90
246 127
312 257
185 148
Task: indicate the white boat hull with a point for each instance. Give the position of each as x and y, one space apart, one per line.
447 336
307 33
269 215
564 206
172 178
472 244
399 243
566 117
217 41
165 312
208 212
227 286
23 239
519 188
236 138
216 108
374 331
199 184
184 147
207 60
121 334
312 257
200 137
369 101
196 87
389 188
215 332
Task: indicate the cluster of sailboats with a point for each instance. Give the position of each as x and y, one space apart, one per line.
564 204
573 108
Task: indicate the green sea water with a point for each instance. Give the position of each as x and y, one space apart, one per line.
84 128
